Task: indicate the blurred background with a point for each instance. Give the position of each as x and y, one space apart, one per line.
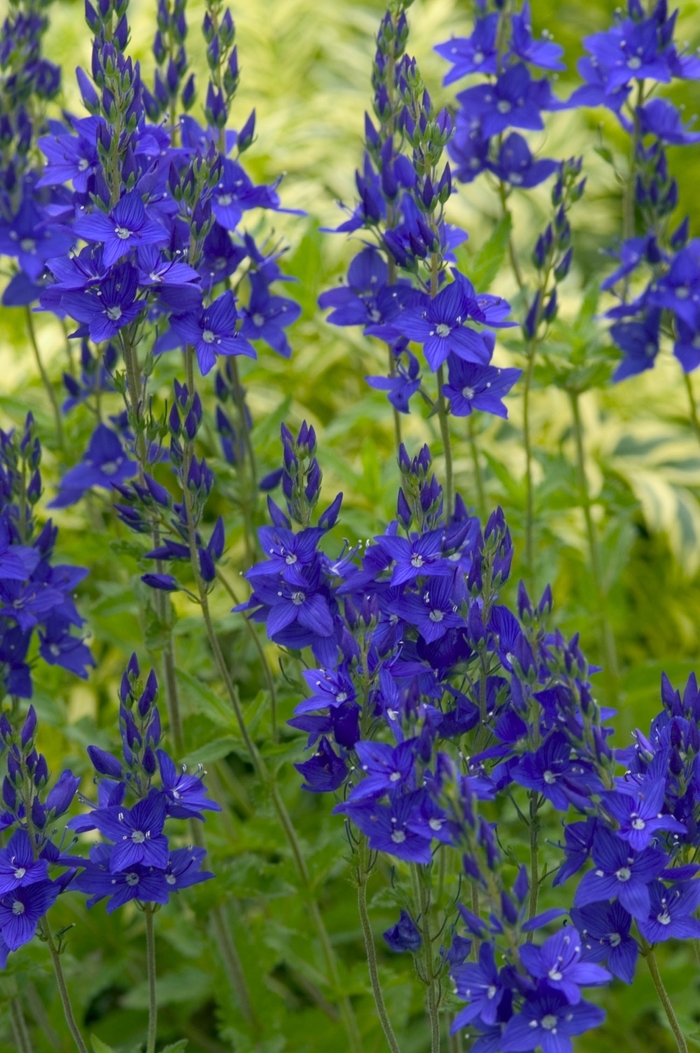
305 68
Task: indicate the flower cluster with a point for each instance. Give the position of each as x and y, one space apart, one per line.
136 861
504 55
657 280
403 189
27 890
36 595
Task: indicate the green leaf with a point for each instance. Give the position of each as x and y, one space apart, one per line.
198 697
98 1046
489 259
175 1047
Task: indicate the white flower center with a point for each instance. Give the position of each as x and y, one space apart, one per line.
478 58
298 598
19 873
27 245
395 776
638 824
417 560
342 696
503 106
290 559
664 918
435 824
614 939
549 1022
554 973
132 879
122 232
468 393
550 778
225 199
442 329
398 837
492 991
634 62
207 336
258 320
436 616
623 874
138 837
18 907
114 313
170 879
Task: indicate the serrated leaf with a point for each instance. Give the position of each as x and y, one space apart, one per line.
198 697
175 1047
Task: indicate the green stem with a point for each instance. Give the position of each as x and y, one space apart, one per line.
162 601
397 415
446 445
529 489
694 420
19 1027
267 672
421 886
478 476
263 774
605 632
363 872
651 961
250 477
534 861
36 1007
151 970
45 929
48 386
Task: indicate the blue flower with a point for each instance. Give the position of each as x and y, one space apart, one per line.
416 557
186 794
404 935
266 316
605 935
99 881
620 873
22 909
28 238
639 342
433 612
517 166
473 386
18 867
325 771
126 227
661 118
105 314
402 384
387 826
513 101
388 769
438 324
671 912
477 53
558 964
104 464
548 1021
211 331
552 772
638 812
543 53
481 985
137 833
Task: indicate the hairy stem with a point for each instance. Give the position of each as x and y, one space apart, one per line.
363 872
45 929
151 970
48 386
651 961
605 632
421 886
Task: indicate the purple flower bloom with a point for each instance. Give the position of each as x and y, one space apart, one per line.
186 794
144 883
212 331
471 386
17 864
266 316
605 936
543 53
629 50
404 935
639 341
433 612
16 561
28 603
551 771
671 912
387 826
325 771
290 553
115 306
104 464
417 557
126 227
438 324
388 769
548 1021
481 985
637 810
28 237
517 166
184 868
137 833
400 385
661 118
620 873
514 101
23 908
477 53
558 964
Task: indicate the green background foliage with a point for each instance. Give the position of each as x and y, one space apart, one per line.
305 68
